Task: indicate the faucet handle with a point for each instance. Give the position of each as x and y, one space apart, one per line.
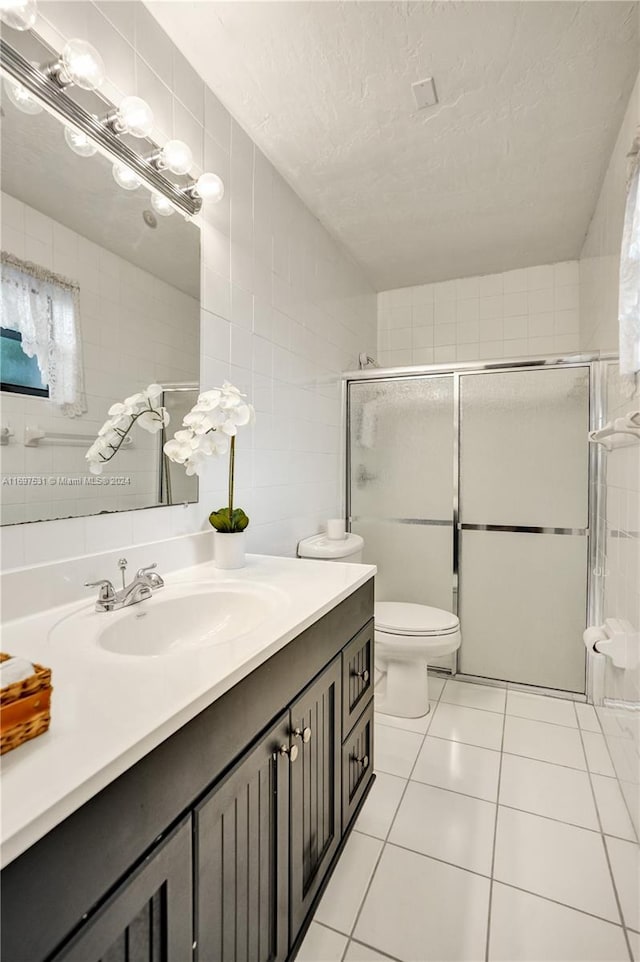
153 580
106 592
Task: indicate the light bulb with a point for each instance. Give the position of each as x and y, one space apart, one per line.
134 116
81 65
19 14
21 98
162 205
209 187
80 144
125 177
177 156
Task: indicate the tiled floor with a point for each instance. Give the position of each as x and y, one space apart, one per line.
495 831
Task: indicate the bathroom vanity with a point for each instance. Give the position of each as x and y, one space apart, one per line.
217 843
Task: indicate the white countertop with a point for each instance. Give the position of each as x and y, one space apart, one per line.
108 711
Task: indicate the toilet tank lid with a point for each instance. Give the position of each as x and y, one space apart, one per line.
405 618
319 546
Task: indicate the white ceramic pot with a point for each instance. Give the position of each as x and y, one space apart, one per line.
229 549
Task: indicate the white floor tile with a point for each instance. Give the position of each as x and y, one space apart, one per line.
419 725
357 952
550 790
558 861
525 928
614 814
587 718
547 743
468 725
448 826
474 696
459 767
376 815
395 750
418 908
341 901
436 684
598 758
625 864
321 945
634 939
558 711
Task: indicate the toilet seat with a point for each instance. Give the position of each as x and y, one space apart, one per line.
414 621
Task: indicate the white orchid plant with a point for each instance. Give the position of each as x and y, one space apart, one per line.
210 428
142 409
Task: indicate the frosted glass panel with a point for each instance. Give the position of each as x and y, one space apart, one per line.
414 561
524 448
401 435
522 607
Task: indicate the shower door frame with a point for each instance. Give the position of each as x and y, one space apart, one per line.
596 364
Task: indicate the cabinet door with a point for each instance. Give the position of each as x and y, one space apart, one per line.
149 917
315 788
357 676
357 764
241 855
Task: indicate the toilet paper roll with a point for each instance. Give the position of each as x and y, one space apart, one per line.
592 636
336 529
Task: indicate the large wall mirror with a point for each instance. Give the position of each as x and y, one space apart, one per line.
104 292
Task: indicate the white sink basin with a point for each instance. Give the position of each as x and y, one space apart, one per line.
176 618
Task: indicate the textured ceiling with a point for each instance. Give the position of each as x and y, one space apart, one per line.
504 172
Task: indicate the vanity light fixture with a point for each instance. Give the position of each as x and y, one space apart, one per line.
175 156
79 143
21 98
134 116
162 205
79 64
19 14
125 177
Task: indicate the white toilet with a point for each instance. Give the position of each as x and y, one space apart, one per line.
407 636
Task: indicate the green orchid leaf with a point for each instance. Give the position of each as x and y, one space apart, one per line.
221 522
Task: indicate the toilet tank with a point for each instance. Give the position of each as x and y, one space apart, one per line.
320 547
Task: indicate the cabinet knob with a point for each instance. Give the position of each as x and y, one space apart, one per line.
364 674
362 760
291 751
303 733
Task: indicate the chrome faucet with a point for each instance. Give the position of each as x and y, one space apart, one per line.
142 587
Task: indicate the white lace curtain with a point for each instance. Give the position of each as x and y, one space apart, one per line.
629 301
45 309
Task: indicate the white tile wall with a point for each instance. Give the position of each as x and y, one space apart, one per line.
284 309
165 349
599 264
513 314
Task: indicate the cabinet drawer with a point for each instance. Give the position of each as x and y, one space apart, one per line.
357 764
357 676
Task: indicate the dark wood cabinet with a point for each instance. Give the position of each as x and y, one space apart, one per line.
241 850
217 845
315 789
149 917
357 675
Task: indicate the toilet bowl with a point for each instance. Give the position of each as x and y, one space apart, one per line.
407 637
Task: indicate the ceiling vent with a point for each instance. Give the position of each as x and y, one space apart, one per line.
425 93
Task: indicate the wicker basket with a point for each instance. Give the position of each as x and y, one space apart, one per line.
24 708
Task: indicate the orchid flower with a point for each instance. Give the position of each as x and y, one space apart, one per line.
141 408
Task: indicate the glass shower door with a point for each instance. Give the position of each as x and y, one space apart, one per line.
401 449
523 525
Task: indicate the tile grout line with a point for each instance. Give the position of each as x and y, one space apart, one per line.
606 852
495 836
433 708
615 776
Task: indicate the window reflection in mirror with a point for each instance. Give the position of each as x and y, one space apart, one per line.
100 297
